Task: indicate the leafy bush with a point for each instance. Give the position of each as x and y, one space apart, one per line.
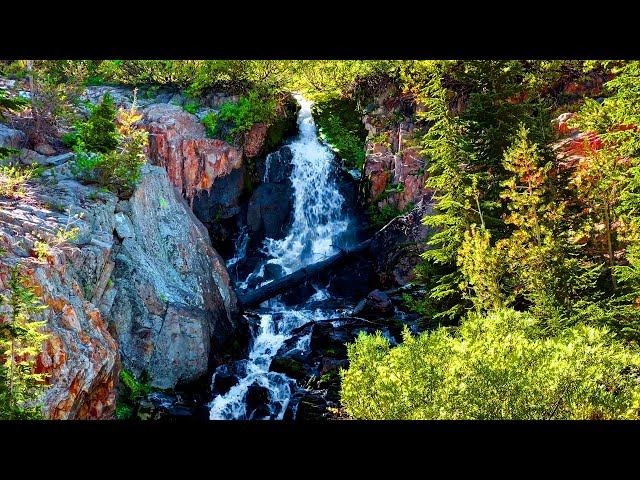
70 140
233 120
100 132
13 178
340 125
380 217
495 367
117 170
191 107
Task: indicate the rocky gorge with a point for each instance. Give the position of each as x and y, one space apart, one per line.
144 290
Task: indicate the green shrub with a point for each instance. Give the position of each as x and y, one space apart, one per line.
235 119
497 366
379 217
117 170
14 177
70 140
100 132
191 107
340 125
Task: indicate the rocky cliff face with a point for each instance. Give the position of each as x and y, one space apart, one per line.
394 178
394 171
173 293
140 286
81 355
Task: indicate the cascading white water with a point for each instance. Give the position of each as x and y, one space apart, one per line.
240 247
317 207
317 224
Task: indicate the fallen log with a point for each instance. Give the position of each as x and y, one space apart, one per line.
256 297
260 294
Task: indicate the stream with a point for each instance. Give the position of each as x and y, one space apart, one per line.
319 225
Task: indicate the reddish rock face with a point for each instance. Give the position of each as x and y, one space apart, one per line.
254 139
177 142
80 355
385 170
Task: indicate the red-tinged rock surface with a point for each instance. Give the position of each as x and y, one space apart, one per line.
141 279
384 170
178 143
80 355
254 139
394 175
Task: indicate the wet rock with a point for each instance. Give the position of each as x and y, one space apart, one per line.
224 379
269 211
222 201
277 166
273 271
349 282
257 401
298 295
376 305
164 406
290 367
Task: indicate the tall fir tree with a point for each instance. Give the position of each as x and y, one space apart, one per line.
20 342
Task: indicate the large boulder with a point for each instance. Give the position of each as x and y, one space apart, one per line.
277 166
140 282
11 138
173 293
178 143
269 211
376 305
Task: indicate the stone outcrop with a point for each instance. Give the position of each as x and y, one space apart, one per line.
11 138
173 293
376 305
140 279
195 164
396 250
394 176
80 355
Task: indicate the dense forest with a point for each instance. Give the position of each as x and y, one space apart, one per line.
527 293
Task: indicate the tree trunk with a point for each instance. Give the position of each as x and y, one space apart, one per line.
607 221
11 372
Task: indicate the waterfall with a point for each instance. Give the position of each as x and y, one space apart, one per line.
317 208
317 226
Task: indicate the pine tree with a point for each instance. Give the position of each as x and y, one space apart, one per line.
483 267
450 183
100 132
20 343
465 153
535 250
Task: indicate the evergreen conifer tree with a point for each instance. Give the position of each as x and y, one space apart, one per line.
20 343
